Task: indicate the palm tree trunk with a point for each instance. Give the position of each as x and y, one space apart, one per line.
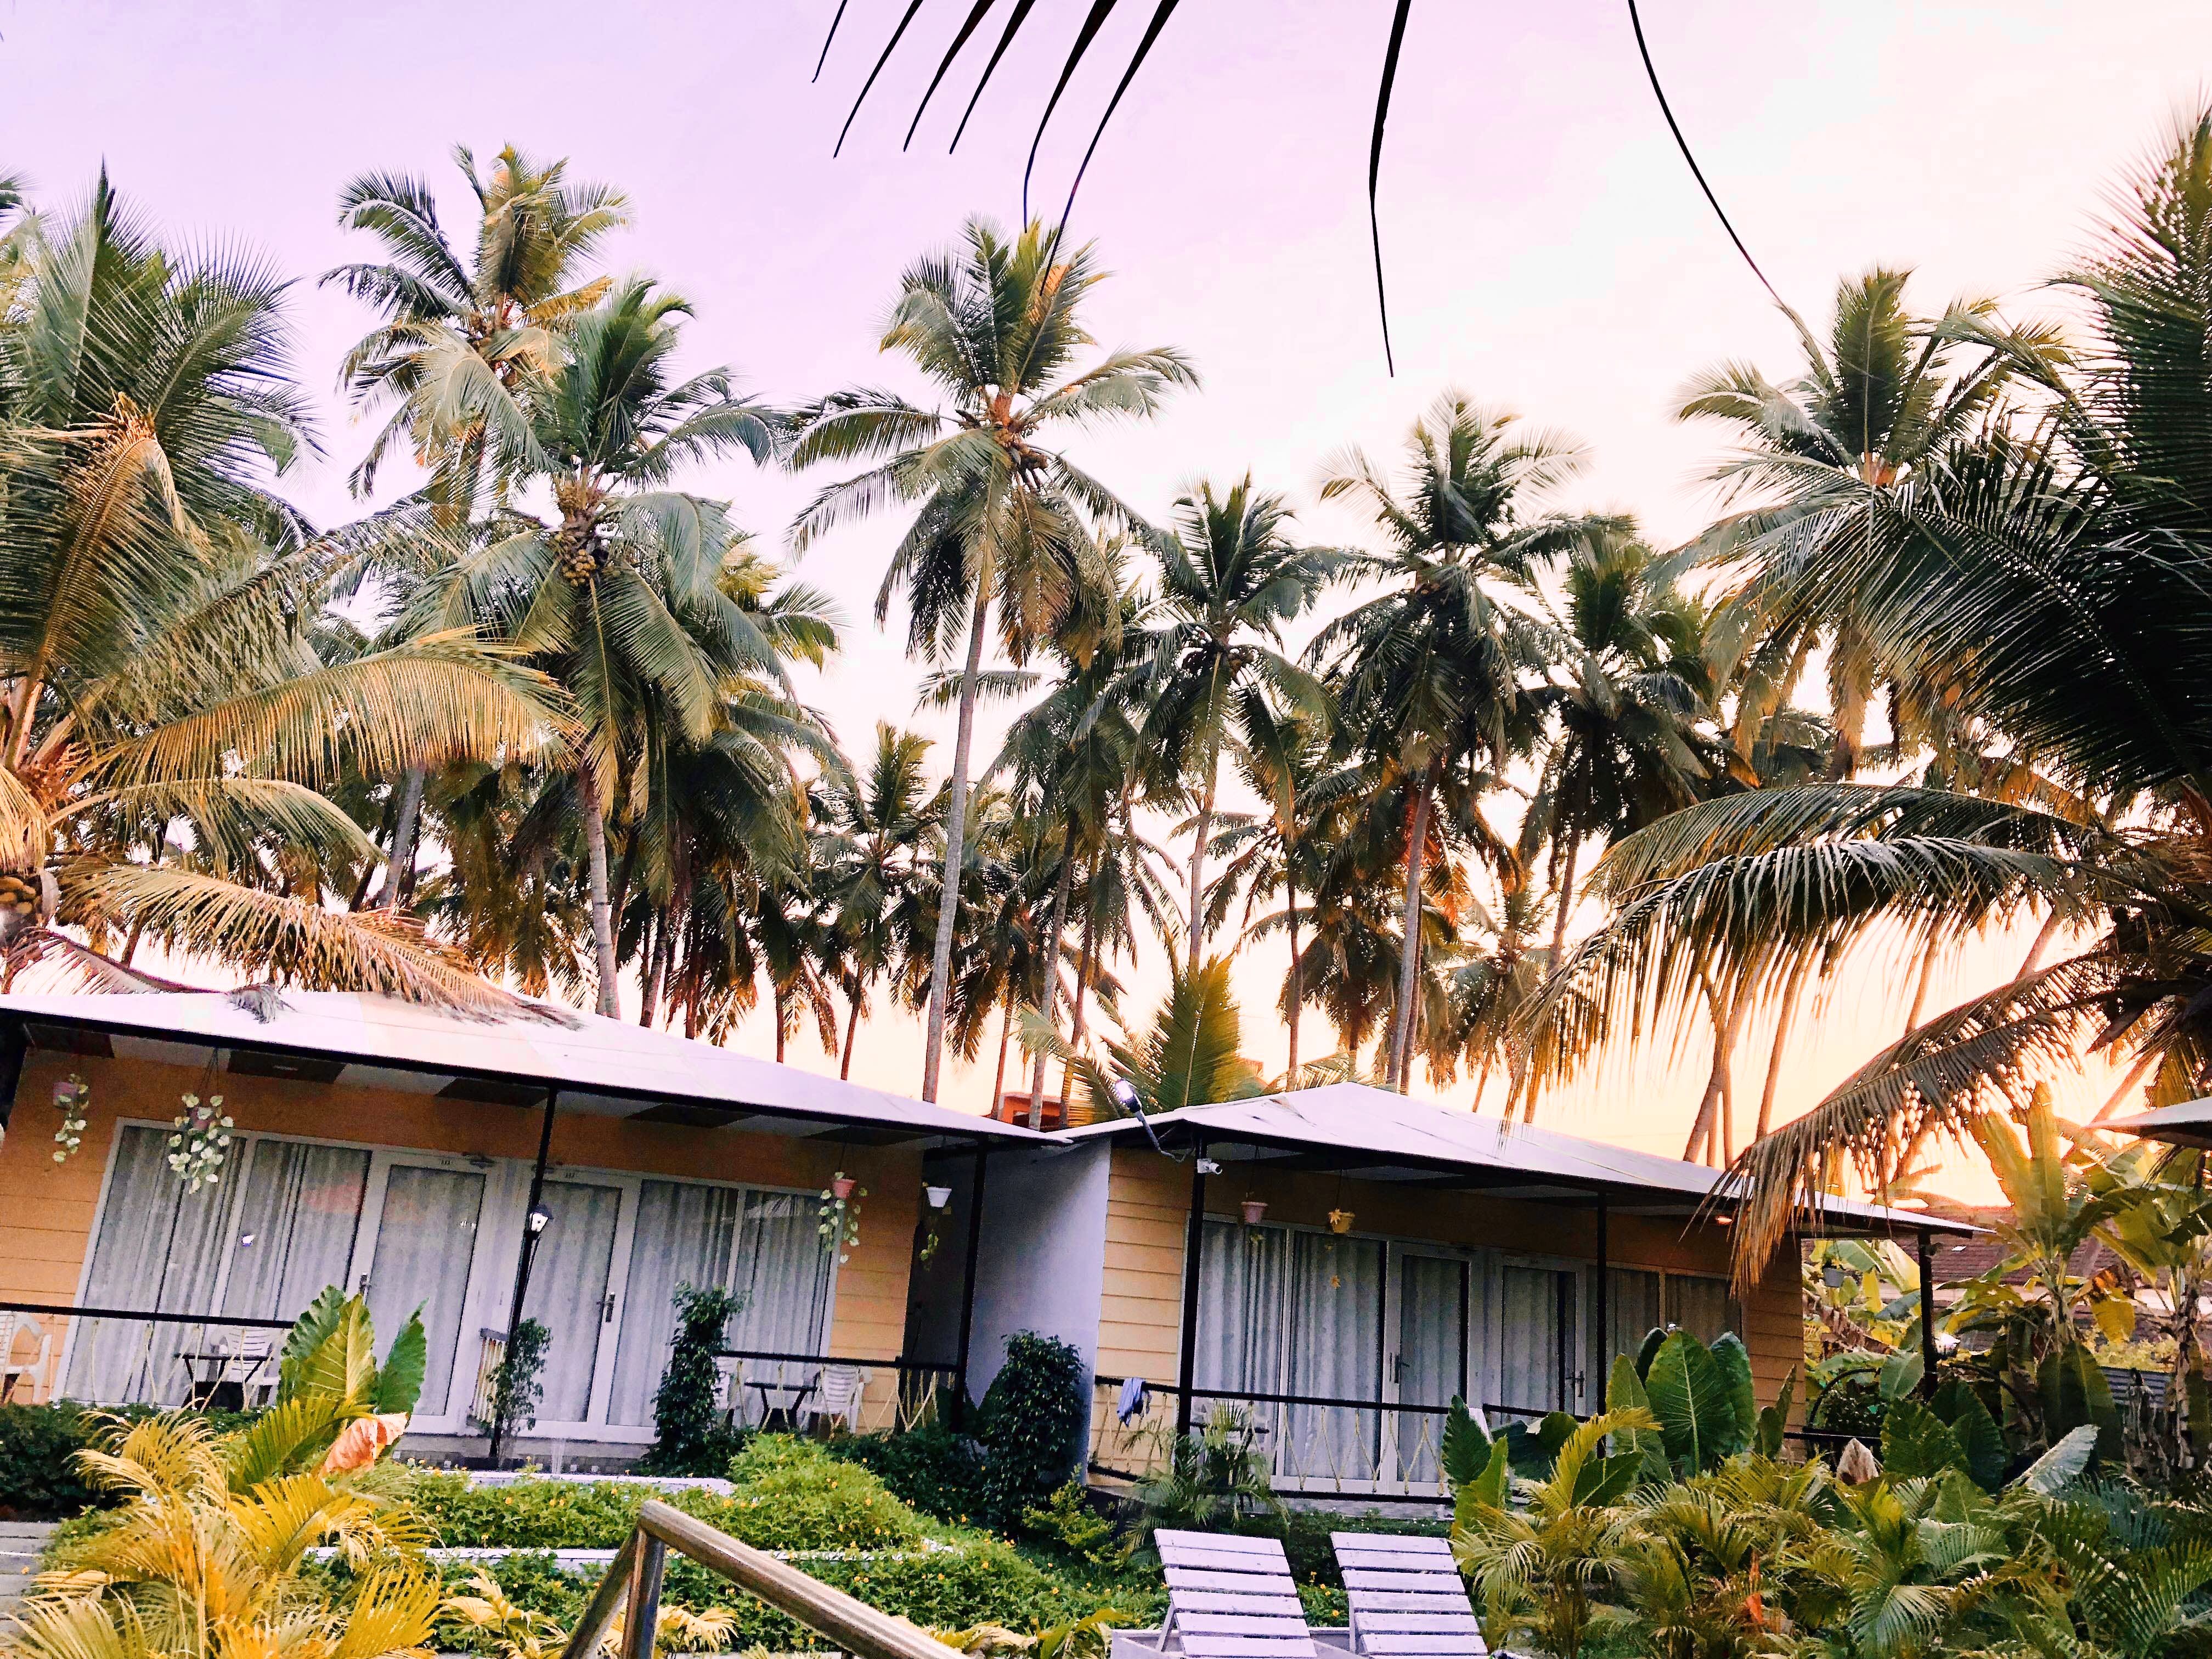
1707 1126
955 830
778 994
1297 984
852 1031
2144 1061
1006 1030
1920 991
1566 903
1790 992
1049 992
1085 957
1417 835
603 932
656 927
2043 939
400 874
1198 851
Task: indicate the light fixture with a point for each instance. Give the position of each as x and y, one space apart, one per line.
539 1216
245 1238
1209 1166
1124 1093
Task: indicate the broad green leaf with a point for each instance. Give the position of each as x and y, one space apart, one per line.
1533 1452
2061 1466
2116 1318
1735 1361
1488 1489
1690 1398
1626 1392
1654 1339
1915 1442
1774 1420
2075 1392
309 1332
399 1379
1465 1448
1604 1481
1900 1374
1977 1432
345 1365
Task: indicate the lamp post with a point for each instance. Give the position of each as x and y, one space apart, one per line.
535 1222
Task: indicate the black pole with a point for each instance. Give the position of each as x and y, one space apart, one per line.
1601 1303
967 1288
522 1264
1192 1243
1927 1311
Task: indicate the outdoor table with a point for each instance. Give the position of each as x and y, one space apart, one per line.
788 1414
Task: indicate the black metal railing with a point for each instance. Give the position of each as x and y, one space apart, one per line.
798 1393
181 1358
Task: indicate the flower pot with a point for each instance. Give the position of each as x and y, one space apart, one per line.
841 1186
1255 1209
939 1197
1340 1222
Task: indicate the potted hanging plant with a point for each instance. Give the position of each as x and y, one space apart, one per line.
199 1142
1340 1222
940 1200
70 1095
841 1214
1256 1211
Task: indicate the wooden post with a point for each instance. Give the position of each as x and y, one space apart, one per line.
1927 1252
1193 1244
967 1288
1601 1306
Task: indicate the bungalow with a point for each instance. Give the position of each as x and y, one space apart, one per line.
1334 1266
555 1166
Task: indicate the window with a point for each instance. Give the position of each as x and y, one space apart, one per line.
1701 1306
1632 1309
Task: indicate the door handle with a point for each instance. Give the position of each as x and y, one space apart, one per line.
362 1289
607 1311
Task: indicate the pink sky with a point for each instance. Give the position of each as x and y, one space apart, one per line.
1547 250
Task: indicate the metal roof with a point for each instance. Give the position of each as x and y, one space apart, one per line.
1368 1134
2189 1124
599 1067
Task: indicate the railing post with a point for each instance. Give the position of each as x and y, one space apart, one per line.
585 1643
642 1617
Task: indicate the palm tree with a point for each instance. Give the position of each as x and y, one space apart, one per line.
1187 1057
460 340
1428 677
2053 561
622 597
880 824
160 629
1230 578
1001 520
1487 993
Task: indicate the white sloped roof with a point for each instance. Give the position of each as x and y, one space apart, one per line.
1381 1136
2188 1124
604 1066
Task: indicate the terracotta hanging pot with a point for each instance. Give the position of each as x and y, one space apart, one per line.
841 1186
1255 1209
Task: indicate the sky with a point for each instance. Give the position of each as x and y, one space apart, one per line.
1547 251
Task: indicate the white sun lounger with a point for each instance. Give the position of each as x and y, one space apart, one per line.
1407 1597
1231 1598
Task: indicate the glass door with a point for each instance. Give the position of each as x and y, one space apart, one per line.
572 1294
1428 1366
418 1251
1536 1340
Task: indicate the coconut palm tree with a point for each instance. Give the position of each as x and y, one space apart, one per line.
459 340
880 824
166 666
2054 562
1428 678
1002 521
622 599
1230 578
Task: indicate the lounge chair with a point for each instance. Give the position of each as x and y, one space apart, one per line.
1407 1597
1231 1598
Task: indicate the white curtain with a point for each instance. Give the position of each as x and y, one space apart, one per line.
1632 1310
1529 1339
1431 1354
781 1269
683 1236
159 1248
1241 1275
568 1293
1700 1306
298 1213
425 1244
1334 1351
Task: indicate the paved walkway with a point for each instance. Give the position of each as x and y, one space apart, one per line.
20 1544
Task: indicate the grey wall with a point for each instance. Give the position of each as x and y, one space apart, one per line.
1042 1266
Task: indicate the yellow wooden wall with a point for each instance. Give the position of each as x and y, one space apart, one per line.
1148 1208
46 1209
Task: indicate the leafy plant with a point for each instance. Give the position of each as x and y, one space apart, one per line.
1069 1521
1215 1480
937 1471
516 1385
1033 1424
685 1420
840 1215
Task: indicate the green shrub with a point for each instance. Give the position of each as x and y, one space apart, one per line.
689 1437
1033 1422
39 1477
937 1471
792 1495
1069 1523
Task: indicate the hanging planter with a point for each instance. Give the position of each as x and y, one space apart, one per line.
840 1214
70 1095
1340 1222
1256 1211
200 1143
939 1197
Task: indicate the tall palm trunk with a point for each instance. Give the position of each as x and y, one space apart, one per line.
1566 901
852 1031
603 930
1085 963
1198 851
656 925
1048 990
1006 1030
1482 1078
1790 992
1417 835
956 831
399 876
1708 1128
1298 983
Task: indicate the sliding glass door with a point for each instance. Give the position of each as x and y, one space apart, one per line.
572 1294
419 1245
1537 1324
1429 1368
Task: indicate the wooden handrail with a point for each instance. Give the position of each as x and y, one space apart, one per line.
634 1577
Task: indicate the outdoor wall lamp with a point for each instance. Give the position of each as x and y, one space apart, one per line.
539 1216
1209 1166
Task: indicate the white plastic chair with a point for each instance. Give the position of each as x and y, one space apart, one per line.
837 1396
13 1328
248 1365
